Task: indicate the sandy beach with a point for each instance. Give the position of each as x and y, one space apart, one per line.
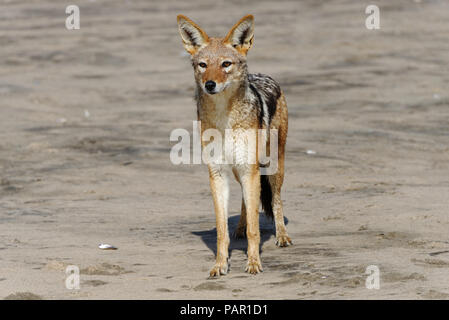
85 121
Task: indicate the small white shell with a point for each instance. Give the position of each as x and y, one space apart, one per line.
105 246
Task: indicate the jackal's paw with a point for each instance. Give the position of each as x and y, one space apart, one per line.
240 233
254 266
283 241
219 269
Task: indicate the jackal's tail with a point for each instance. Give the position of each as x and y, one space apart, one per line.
266 196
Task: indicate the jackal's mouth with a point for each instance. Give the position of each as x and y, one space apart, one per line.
211 92
219 87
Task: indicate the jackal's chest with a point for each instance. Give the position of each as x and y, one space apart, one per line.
229 133
223 143
217 115
225 117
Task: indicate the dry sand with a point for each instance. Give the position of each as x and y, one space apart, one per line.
373 105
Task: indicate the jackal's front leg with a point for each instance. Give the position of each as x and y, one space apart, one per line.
220 194
250 179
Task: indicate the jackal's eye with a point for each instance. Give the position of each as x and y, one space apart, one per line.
202 65
226 64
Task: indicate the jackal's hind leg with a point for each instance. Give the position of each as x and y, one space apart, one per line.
240 231
282 238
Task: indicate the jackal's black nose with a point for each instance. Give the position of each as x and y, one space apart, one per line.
210 85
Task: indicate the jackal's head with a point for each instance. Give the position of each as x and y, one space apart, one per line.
218 63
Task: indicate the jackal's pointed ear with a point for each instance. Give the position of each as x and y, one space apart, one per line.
241 35
192 35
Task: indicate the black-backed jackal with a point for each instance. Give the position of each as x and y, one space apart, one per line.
230 98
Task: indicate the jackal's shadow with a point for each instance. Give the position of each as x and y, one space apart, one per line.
266 225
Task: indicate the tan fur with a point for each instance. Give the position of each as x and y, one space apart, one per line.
230 109
242 49
279 122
